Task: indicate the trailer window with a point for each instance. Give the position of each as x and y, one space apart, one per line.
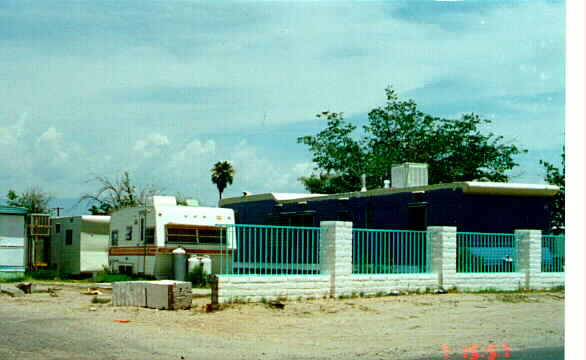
69 237
114 237
189 234
150 235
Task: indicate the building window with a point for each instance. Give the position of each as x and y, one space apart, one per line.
129 232
417 217
69 237
57 228
344 215
114 237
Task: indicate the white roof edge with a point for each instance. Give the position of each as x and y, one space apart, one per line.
510 188
294 196
476 187
269 196
97 219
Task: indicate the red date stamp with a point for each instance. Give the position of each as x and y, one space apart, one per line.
474 352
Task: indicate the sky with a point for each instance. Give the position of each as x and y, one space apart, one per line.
164 89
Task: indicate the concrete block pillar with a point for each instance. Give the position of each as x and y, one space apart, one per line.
336 256
529 250
443 253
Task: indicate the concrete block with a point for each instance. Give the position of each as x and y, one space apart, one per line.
163 294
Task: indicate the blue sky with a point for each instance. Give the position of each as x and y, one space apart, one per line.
166 88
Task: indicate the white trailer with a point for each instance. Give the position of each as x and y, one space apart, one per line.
143 238
79 244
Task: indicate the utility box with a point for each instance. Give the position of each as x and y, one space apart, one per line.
409 175
163 294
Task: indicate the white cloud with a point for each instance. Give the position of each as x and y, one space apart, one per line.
50 148
151 145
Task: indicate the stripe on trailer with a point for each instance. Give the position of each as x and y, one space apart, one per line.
198 251
152 251
133 251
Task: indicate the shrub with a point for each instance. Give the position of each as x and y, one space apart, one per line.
44 274
199 277
110 278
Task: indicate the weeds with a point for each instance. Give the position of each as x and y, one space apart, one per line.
110 278
515 298
14 279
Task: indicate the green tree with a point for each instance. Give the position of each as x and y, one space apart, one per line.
34 199
222 175
116 194
557 176
398 132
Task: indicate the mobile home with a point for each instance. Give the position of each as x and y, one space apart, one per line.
142 238
79 244
410 204
13 259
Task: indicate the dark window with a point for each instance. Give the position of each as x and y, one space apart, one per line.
69 237
191 234
344 215
150 235
417 217
141 229
129 232
114 237
57 228
288 219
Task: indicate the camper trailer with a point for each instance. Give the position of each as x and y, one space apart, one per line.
79 244
142 239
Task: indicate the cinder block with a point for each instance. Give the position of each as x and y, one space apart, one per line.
163 294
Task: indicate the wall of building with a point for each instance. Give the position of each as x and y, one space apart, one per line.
94 252
66 258
445 207
12 245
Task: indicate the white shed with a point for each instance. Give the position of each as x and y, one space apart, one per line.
79 244
12 241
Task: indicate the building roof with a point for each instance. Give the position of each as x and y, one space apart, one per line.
270 196
468 187
11 210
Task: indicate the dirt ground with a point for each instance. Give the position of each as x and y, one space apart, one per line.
70 325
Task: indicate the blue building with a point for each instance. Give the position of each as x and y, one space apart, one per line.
410 205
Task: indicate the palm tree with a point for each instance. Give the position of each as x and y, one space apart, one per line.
222 175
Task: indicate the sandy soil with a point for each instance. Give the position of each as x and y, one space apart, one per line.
395 327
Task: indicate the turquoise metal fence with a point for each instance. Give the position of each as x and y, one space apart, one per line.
553 253
390 252
486 253
270 250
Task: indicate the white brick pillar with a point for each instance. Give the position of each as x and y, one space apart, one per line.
443 253
336 256
529 247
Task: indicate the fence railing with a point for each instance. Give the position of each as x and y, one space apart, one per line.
553 253
390 252
486 253
270 250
